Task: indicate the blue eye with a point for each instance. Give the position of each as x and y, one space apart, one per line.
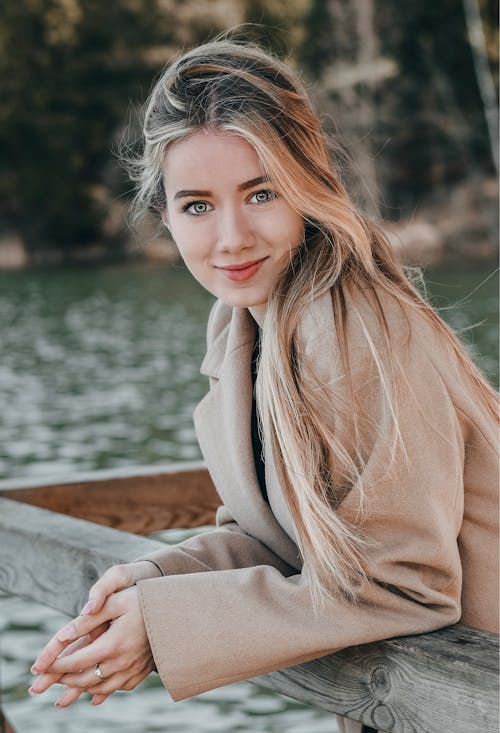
262 197
196 208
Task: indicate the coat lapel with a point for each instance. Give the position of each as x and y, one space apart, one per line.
223 426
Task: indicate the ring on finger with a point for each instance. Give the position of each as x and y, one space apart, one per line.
98 672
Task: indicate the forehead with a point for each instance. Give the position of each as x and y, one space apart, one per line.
210 156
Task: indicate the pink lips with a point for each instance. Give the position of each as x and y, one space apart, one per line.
242 272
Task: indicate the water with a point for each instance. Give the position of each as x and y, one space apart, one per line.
99 369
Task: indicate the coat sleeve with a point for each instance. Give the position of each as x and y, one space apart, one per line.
225 547
208 629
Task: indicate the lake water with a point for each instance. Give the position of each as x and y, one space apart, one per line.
99 369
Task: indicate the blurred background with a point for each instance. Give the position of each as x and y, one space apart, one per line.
103 329
409 89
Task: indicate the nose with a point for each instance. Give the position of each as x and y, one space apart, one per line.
234 231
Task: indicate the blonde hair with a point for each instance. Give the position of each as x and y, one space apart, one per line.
243 90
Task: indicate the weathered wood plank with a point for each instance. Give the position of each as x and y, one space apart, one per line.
139 499
54 559
443 681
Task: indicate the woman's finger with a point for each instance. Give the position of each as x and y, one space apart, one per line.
115 578
122 680
83 659
132 683
118 578
77 628
124 646
44 681
88 678
68 697
98 699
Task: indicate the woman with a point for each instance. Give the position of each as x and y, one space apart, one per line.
359 486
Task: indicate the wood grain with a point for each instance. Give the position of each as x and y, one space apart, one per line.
136 500
443 681
54 559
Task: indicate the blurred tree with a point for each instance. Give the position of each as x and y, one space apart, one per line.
316 52
197 21
270 27
279 24
329 36
484 76
433 113
69 69
341 52
400 78
489 11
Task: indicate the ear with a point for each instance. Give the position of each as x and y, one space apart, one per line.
164 218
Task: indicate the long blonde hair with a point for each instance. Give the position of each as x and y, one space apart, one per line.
241 89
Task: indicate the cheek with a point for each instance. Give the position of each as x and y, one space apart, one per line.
192 240
192 256
292 230
197 257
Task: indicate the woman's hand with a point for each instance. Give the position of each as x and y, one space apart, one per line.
122 652
70 695
118 578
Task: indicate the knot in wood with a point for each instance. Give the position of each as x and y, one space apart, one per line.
90 574
380 683
382 718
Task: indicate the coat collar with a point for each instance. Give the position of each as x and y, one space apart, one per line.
238 333
223 426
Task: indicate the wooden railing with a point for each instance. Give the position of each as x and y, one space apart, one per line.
57 538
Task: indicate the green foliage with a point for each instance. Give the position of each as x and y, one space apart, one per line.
69 69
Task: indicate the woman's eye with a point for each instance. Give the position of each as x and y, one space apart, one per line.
197 208
261 197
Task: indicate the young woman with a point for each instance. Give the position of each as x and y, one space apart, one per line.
359 478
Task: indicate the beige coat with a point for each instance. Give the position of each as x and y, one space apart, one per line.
436 519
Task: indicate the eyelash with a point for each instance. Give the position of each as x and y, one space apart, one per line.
272 195
186 208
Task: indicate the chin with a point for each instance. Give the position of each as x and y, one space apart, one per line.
240 300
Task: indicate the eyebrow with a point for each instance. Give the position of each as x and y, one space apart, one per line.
183 193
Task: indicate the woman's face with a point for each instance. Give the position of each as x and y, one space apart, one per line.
234 231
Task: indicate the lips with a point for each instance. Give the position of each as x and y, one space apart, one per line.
243 271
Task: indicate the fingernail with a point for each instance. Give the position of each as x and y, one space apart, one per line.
34 669
88 608
31 691
66 633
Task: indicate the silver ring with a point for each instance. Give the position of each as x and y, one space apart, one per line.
98 672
